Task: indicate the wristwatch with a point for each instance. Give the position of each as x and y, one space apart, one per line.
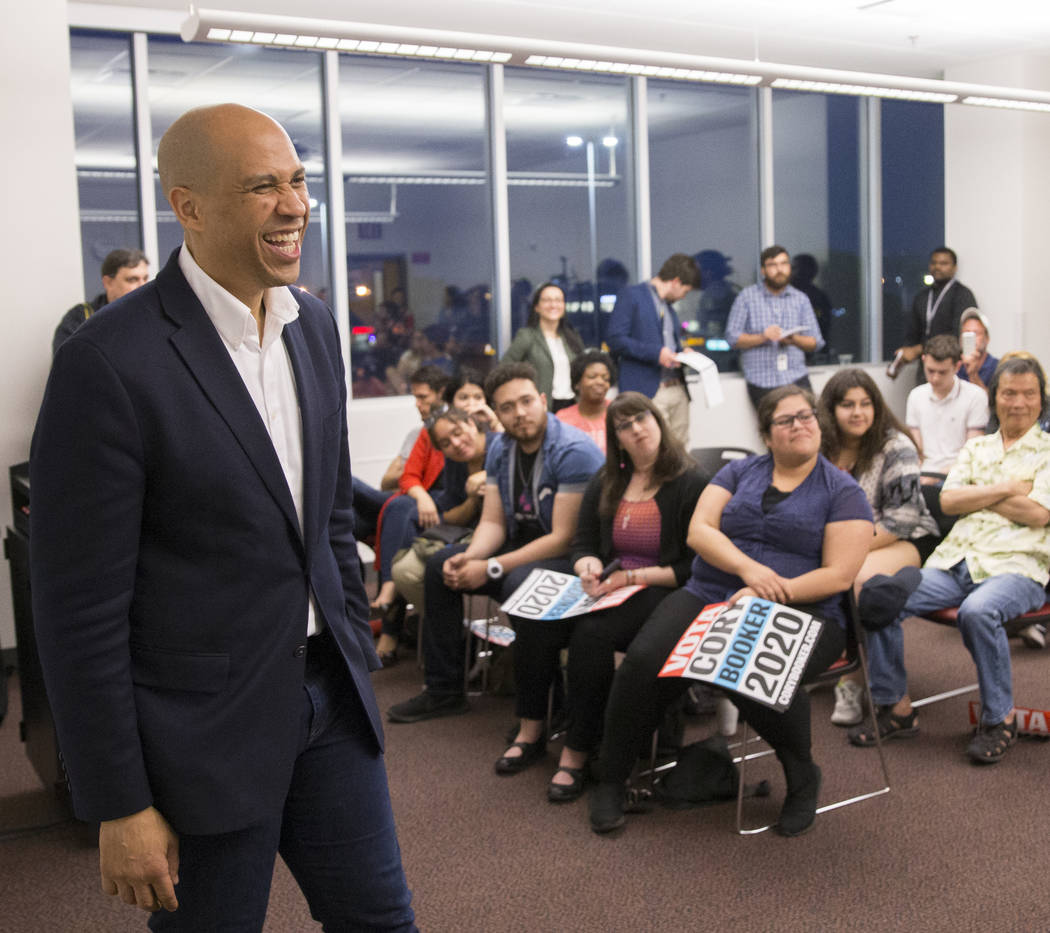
494 569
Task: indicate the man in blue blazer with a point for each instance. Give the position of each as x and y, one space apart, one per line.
644 335
199 609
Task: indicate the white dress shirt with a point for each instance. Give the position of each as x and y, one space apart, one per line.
265 369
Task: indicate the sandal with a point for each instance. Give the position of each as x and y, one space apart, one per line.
990 743
890 726
563 793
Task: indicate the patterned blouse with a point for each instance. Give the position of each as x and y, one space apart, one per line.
892 486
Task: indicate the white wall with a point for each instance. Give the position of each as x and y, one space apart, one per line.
41 246
997 191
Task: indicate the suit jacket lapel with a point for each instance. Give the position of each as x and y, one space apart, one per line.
205 355
307 390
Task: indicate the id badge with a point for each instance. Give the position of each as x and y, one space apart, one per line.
782 362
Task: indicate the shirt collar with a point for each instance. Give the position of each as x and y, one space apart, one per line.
229 315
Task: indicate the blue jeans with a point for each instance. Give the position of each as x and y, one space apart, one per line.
336 832
983 610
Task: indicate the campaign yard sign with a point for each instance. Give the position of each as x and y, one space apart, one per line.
754 647
545 594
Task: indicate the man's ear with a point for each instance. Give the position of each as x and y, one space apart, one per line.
187 208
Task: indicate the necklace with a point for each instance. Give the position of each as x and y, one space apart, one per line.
525 498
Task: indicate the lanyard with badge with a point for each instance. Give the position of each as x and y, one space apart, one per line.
932 306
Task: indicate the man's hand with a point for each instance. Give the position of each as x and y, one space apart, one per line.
463 574
139 860
772 333
667 358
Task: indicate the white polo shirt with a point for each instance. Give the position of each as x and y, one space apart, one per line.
943 423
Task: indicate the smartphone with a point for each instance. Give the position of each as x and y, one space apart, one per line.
969 343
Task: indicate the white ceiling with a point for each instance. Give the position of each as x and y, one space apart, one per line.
908 37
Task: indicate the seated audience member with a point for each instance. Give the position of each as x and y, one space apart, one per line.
466 393
993 564
786 526
863 437
592 374
550 343
944 412
535 476
427 383
636 510
978 366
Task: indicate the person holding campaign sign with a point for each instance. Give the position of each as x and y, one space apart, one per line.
631 532
788 527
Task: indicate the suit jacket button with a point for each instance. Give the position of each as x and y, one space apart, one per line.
300 650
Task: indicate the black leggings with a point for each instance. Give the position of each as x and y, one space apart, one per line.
639 697
593 641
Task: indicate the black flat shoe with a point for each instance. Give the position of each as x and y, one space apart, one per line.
531 752
564 793
800 805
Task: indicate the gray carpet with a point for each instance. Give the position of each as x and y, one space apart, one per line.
954 847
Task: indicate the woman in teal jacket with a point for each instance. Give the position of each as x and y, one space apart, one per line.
550 343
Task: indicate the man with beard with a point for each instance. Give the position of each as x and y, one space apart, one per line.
773 326
536 474
938 308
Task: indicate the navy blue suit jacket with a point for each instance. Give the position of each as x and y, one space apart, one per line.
635 336
170 576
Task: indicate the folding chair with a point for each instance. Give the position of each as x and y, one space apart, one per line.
855 660
712 459
483 631
950 617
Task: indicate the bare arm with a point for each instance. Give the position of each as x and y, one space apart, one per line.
844 549
882 538
707 539
973 432
392 474
425 505
807 344
556 542
1023 510
492 529
748 341
464 513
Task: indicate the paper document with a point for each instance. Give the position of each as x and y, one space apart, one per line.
708 371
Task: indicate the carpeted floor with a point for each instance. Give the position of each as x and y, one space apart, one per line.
954 847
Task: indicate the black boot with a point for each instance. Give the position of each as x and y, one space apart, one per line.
606 805
803 788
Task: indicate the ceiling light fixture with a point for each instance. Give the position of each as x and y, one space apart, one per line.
446 45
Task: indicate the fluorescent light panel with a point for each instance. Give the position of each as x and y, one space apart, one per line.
455 46
864 90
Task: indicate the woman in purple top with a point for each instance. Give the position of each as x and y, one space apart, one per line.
788 527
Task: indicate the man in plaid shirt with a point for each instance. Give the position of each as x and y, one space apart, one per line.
773 326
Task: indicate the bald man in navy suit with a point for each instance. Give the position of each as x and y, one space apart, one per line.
199 610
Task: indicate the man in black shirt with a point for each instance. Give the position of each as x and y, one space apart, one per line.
937 309
123 270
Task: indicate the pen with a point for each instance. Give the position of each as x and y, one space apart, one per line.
609 569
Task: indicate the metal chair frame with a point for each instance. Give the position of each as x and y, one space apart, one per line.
856 660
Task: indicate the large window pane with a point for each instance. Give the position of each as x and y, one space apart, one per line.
419 235
100 89
286 84
912 207
703 193
567 161
816 172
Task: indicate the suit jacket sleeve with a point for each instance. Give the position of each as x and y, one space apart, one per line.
624 327
87 459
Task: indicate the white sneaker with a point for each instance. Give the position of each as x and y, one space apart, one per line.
1034 636
849 703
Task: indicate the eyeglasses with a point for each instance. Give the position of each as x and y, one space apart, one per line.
631 422
802 417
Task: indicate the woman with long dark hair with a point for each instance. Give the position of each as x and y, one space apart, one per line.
636 510
864 438
550 343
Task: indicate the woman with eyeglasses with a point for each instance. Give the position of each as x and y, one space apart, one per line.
786 526
864 438
634 516
550 343
427 500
